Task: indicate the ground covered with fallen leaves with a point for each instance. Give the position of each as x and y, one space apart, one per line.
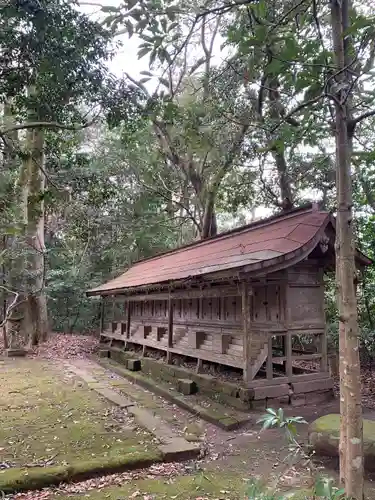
41 422
47 421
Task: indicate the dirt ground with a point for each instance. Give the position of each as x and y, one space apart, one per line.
228 459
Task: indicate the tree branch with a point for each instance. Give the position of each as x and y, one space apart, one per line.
28 125
11 306
138 84
298 108
362 117
226 7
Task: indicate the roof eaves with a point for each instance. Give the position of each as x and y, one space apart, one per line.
309 207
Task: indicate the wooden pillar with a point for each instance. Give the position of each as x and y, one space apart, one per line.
170 328
324 352
199 367
102 315
246 332
128 317
170 322
269 359
287 344
289 360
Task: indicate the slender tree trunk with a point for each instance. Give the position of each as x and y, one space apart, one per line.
35 236
4 295
18 322
351 435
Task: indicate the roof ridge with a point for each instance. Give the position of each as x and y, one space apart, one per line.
308 207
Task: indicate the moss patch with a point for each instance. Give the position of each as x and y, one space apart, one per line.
52 428
331 423
182 488
23 479
324 436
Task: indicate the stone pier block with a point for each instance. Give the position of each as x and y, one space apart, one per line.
186 386
133 364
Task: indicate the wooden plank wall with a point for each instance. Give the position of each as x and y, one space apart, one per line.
211 322
297 301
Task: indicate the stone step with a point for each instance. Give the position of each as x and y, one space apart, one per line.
172 446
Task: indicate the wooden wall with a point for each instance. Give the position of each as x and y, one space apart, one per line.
190 311
291 299
211 327
305 297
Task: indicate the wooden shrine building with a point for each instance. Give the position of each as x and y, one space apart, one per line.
250 298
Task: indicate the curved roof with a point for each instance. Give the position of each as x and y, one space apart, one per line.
280 240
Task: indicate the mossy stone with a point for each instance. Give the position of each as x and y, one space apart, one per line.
324 437
104 353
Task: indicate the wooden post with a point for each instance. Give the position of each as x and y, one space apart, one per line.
170 322
128 318
170 328
288 336
199 367
269 359
289 360
324 353
102 315
246 333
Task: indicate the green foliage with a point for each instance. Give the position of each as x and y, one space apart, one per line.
278 419
257 491
106 219
325 488
60 53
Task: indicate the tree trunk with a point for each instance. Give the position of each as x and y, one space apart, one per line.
4 295
35 236
17 322
206 199
209 224
351 434
277 112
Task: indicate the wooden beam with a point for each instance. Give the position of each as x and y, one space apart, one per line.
307 357
246 321
217 291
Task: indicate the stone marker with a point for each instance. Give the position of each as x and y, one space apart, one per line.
324 437
186 386
133 364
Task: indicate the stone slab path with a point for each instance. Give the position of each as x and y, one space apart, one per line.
172 446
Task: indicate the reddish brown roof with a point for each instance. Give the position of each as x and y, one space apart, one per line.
260 245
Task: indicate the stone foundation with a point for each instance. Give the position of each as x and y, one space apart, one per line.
231 394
